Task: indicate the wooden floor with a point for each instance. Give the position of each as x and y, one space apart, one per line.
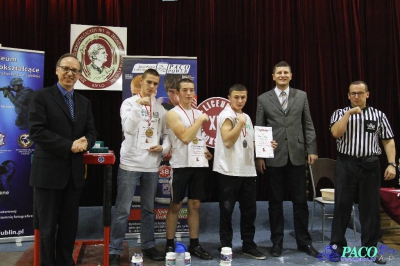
391 232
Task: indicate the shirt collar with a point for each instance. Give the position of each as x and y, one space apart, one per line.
278 91
64 91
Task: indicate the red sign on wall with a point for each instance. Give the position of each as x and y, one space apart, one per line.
212 107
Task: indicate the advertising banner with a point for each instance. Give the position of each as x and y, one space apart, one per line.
21 73
100 50
171 70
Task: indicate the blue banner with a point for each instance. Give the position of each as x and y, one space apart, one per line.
171 70
21 73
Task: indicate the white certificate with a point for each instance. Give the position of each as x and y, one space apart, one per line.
196 150
263 138
147 135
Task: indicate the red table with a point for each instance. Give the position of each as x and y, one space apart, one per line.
390 203
106 159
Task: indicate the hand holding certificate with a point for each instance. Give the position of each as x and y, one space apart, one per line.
263 138
147 136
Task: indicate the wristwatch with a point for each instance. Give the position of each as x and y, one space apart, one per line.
393 164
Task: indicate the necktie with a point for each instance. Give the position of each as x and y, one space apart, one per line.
70 104
284 101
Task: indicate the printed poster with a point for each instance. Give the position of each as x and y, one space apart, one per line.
21 73
100 50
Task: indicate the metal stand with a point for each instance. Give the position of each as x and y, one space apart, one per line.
106 159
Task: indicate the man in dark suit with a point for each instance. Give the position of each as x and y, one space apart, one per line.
286 110
62 129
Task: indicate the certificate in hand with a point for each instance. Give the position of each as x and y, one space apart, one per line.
263 138
147 135
196 155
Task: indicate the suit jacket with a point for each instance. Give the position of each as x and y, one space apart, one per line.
53 131
294 131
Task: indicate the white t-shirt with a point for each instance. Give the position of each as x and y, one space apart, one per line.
238 160
179 158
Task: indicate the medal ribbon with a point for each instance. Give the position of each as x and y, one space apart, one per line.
150 114
187 114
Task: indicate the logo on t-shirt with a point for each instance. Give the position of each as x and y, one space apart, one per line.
370 126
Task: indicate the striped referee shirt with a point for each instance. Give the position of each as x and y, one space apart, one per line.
363 132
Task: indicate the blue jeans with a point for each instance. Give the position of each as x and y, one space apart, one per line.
126 189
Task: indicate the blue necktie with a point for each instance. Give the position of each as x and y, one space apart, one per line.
70 104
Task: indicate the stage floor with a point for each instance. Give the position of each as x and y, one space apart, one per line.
209 239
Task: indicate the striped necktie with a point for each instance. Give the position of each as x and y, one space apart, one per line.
284 101
70 104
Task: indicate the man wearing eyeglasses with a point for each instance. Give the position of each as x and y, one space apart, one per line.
357 129
62 126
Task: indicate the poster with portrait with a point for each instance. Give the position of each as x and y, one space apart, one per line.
171 70
21 73
100 50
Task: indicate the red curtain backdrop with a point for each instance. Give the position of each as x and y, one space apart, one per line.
327 43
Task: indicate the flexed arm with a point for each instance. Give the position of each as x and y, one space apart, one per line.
186 135
339 128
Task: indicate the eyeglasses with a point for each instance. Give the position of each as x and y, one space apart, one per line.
354 94
73 70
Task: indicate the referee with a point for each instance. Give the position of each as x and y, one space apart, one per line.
356 130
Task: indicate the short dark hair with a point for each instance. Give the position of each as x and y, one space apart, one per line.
281 64
185 80
237 87
150 71
69 55
359 82
171 81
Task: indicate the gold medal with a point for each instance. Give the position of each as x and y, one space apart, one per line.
195 140
149 132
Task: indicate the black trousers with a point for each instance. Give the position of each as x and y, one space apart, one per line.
280 179
58 211
352 176
232 189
